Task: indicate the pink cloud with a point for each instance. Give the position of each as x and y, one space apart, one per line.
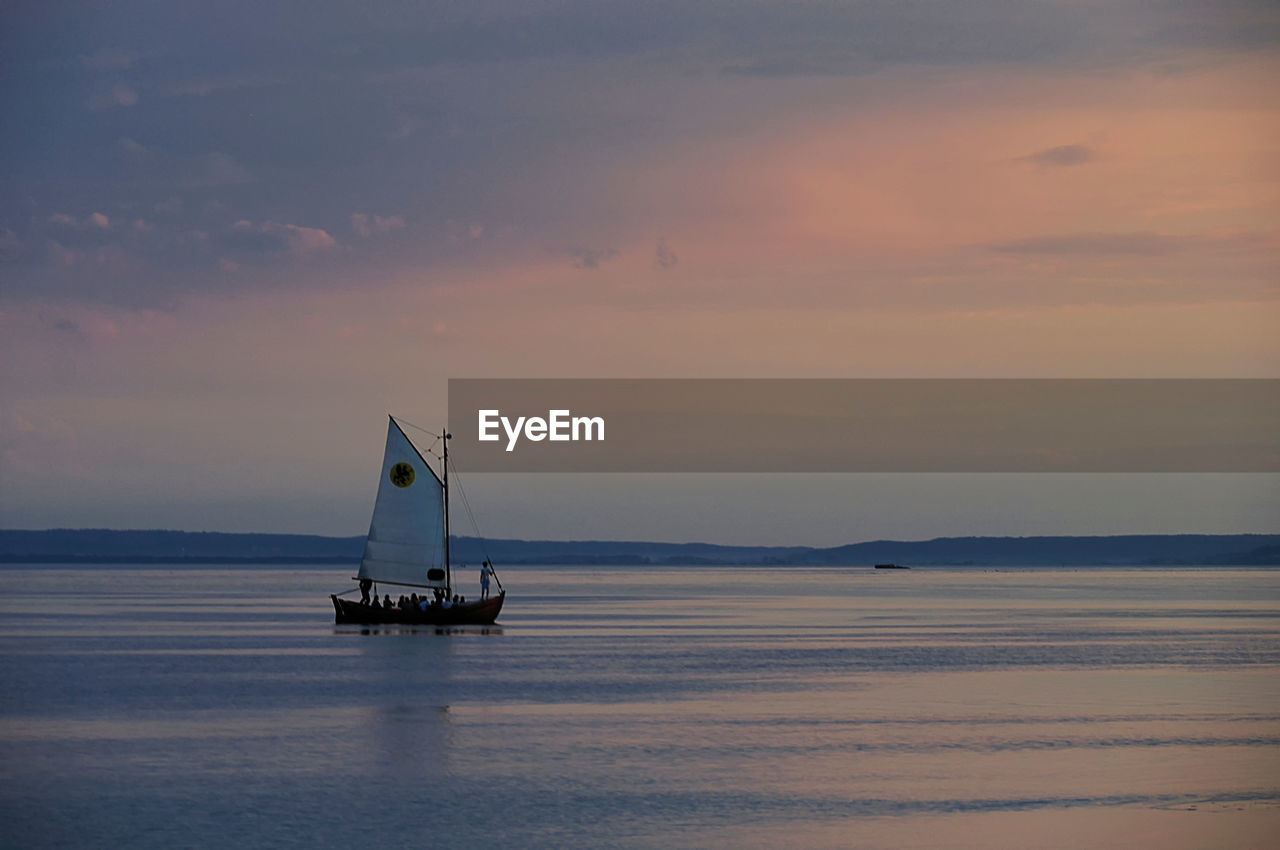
302 241
62 256
97 219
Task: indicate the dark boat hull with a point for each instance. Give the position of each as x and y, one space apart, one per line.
479 613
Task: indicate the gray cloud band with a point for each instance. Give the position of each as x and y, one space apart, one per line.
837 425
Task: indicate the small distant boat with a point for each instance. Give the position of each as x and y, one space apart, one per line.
408 547
892 567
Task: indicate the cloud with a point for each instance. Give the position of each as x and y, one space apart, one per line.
591 258
65 325
664 256
101 259
213 169
119 95
366 225
87 325
93 221
272 237
1250 246
1062 155
301 241
692 118
132 148
61 256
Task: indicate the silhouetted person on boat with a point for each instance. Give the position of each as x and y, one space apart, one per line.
386 602
376 603
486 570
365 584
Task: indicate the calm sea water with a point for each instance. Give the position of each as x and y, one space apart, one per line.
624 707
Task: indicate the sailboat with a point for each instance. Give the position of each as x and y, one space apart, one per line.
408 547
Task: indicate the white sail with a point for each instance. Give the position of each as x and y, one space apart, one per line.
406 536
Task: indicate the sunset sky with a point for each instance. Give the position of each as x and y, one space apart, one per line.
234 236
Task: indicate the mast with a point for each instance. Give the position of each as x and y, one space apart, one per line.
448 577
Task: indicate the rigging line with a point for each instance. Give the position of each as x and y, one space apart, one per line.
423 430
430 450
466 503
418 427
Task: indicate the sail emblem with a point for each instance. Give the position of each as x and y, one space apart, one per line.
402 474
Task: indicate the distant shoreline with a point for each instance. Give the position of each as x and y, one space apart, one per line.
107 546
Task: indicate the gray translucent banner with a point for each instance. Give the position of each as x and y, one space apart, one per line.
856 425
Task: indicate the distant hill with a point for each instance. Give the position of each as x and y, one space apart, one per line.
108 546
1119 550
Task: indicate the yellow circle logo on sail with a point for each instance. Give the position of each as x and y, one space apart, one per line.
402 474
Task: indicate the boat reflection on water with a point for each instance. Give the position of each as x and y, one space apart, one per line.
408 630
